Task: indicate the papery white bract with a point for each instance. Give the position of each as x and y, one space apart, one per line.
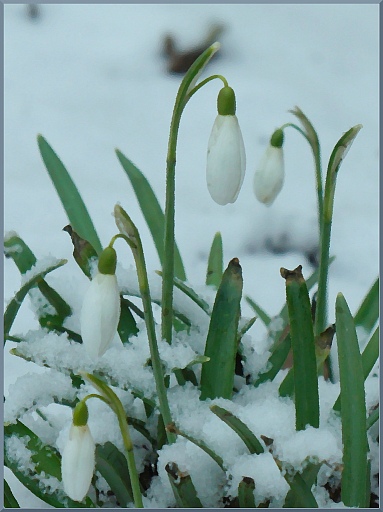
226 160
270 175
100 314
78 462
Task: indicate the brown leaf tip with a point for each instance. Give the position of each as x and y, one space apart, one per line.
292 274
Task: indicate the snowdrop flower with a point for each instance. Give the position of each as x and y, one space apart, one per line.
101 306
78 457
270 174
226 159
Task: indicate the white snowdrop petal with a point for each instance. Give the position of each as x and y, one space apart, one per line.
269 176
78 462
226 160
100 314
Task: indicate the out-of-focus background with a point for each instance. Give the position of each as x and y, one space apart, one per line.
91 78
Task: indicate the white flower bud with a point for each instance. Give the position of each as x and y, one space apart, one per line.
226 160
100 314
269 176
78 462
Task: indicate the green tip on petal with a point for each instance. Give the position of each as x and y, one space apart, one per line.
277 138
226 102
107 261
80 414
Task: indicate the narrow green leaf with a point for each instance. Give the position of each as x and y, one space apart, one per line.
246 489
127 326
286 387
189 292
171 427
276 361
300 496
323 344
369 357
199 359
151 211
112 465
83 252
62 308
309 130
368 312
283 314
266 319
353 411
370 353
14 305
302 342
180 316
9 500
243 431
215 263
69 195
246 326
140 426
18 250
338 154
301 492
46 460
217 376
183 487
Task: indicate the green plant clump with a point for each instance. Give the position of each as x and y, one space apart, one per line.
181 410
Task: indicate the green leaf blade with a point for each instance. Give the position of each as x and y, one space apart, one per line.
69 195
215 262
240 428
112 465
14 305
9 500
152 212
276 361
217 376
302 342
353 411
246 489
183 487
368 312
24 259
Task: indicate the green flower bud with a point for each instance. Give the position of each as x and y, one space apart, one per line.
107 261
80 414
277 138
226 102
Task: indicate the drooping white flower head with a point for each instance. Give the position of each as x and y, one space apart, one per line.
78 457
100 312
270 174
226 159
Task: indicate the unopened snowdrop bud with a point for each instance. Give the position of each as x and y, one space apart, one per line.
270 174
101 306
226 159
78 457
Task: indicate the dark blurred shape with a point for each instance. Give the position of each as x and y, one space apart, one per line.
180 61
33 11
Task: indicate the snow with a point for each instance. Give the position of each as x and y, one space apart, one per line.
91 78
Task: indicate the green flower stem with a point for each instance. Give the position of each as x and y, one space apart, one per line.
109 396
321 308
182 98
311 136
131 236
204 82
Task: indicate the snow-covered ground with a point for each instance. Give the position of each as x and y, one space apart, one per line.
91 78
